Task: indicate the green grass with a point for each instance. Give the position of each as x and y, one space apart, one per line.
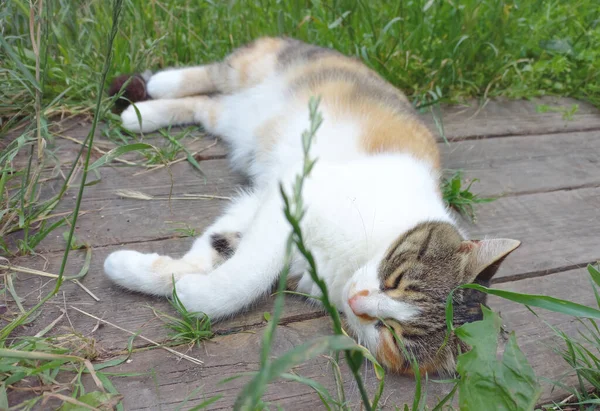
583 355
39 360
450 50
461 198
189 328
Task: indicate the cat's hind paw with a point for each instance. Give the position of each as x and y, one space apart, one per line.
149 118
136 271
165 84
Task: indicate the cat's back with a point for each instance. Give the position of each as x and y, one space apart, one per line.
351 92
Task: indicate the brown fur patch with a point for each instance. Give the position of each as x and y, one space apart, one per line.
252 63
387 352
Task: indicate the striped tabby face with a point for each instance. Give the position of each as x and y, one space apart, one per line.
407 291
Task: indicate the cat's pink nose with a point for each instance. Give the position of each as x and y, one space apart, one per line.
356 303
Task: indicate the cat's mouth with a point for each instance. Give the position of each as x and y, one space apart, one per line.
365 318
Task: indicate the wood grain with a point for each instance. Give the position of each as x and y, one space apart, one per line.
558 231
537 163
508 166
502 117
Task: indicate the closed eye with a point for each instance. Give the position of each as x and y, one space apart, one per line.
396 283
413 288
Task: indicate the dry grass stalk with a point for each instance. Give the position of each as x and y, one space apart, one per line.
33 271
47 395
87 290
49 326
26 270
177 353
138 195
102 152
159 166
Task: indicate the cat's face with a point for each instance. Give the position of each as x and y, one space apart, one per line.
407 289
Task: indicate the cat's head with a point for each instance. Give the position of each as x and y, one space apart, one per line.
408 288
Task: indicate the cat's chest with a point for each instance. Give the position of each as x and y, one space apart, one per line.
342 237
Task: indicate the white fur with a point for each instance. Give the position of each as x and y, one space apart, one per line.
165 84
357 205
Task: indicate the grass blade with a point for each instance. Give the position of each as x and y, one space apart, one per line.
541 301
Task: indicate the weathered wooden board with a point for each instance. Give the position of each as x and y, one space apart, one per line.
518 165
557 225
498 117
63 149
558 230
229 355
501 117
508 166
552 241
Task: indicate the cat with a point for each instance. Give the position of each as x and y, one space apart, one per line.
383 239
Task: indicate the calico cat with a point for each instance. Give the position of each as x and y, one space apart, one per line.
383 238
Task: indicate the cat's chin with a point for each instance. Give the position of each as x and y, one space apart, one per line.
363 331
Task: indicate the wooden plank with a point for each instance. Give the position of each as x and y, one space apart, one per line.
227 356
503 117
511 165
517 165
507 166
474 118
109 219
180 179
558 231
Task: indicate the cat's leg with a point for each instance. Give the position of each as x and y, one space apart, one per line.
153 273
184 82
250 272
245 67
155 114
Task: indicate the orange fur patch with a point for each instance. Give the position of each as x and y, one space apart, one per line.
387 352
268 135
246 60
387 131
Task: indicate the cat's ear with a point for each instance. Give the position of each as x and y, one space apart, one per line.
485 256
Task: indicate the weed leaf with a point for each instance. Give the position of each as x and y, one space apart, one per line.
541 301
594 273
509 384
95 399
